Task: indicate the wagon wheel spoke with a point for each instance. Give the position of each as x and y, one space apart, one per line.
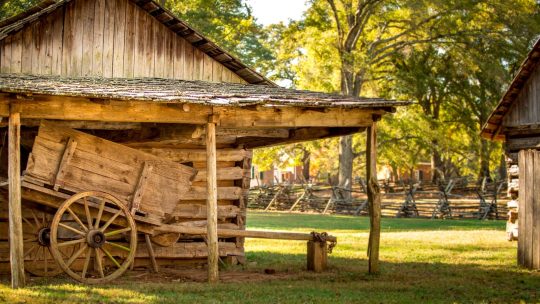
71 229
86 262
29 224
110 220
30 250
35 218
108 254
118 246
100 213
99 262
71 243
77 219
88 214
119 231
76 255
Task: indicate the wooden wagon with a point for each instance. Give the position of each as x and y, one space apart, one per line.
88 198
90 202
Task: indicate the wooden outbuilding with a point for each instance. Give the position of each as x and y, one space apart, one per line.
516 120
130 72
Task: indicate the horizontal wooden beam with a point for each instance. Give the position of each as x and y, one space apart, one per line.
245 233
85 109
83 125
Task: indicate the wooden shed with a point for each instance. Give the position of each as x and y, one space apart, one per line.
130 72
516 120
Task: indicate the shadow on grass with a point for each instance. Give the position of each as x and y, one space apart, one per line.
318 222
346 281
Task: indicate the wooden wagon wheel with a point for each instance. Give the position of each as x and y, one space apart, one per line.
108 238
37 252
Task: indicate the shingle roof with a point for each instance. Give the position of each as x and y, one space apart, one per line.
181 28
492 127
183 91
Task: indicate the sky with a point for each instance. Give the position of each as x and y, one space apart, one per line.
274 11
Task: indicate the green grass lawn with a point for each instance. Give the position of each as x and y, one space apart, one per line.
423 261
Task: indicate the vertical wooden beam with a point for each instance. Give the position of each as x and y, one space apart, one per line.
211 202
374 200
15 219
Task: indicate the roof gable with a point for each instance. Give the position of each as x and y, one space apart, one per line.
494 124
139 39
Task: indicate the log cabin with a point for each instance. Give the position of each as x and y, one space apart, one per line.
516 121
131 72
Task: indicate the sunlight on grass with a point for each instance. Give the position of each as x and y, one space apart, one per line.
422 261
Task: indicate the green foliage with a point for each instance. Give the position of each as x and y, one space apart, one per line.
452 58
12 7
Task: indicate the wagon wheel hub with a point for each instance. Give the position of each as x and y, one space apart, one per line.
44 236
95 239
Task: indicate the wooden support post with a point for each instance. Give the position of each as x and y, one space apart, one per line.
150 248
317 256
374 199
15 218
211 202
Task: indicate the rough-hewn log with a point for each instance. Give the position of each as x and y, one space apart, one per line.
79 108
15 218
224 233
211 203
374 199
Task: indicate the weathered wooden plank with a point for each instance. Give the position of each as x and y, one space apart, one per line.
189 60
6 55
516 144
200 193
197 155
178 57
68 39
119 38
223 174
75 108
66 158
15 219
211 203
217 71
159 49
292 117
129 56
151 47
57 41
139 43
99 23
26 61
198 64
197 211
77 47
207 68
535 215
169 53
88 16
16 52
108 37
140 187
244 233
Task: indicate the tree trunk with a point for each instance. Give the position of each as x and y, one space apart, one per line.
306 161
484 160
346 157
436 164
